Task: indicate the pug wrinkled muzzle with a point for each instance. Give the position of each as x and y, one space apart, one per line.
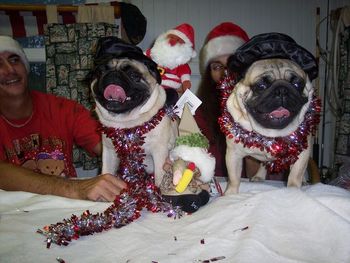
275 104
121 88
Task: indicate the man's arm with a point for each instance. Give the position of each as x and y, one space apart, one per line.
101 188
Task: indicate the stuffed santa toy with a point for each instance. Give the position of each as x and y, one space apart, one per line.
172 51
186 183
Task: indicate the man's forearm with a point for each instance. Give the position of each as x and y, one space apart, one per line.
13 178
103 187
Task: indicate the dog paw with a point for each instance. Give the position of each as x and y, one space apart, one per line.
296 184
256 179
231 190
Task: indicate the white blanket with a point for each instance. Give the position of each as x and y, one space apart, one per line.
264 223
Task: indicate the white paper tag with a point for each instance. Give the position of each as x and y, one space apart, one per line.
191 99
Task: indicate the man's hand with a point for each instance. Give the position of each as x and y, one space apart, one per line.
104 187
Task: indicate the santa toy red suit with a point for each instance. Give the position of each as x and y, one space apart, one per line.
172 51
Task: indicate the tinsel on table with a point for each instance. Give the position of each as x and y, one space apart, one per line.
285 149
141 190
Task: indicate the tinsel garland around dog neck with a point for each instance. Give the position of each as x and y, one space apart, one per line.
128 145
285 149
140 193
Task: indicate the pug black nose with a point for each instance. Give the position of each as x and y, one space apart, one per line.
281 91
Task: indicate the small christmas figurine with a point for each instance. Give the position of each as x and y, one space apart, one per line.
172 51
186 183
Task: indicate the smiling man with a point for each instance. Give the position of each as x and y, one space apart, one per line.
37 133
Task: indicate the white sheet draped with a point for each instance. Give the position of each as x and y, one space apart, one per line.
284 225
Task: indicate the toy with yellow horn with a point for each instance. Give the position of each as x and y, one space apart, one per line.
186 183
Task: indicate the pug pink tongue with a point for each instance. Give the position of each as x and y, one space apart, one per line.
280 112
114 92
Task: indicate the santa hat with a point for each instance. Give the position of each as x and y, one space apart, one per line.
192 146
186 33
9 44
222 40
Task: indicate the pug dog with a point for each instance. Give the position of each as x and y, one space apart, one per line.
126 88
272 110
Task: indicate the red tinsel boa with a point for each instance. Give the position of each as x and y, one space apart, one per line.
285 149
141 191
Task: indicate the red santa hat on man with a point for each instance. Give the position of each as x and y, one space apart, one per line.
222 40
186 33
10 45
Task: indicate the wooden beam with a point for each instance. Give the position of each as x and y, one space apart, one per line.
38 7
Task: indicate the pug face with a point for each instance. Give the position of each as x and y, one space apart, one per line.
122 85
272 97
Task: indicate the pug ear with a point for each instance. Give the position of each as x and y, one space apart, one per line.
153 69
148 62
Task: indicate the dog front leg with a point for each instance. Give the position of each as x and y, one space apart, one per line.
234 164
159 159
298 169
110 160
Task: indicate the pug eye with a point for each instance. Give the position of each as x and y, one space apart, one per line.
135 76
297 82
262 84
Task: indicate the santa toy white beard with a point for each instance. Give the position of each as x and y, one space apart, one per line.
170 56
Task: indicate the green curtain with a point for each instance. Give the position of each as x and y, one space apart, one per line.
342 149
69 58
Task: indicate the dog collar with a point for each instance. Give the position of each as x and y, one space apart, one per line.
285 149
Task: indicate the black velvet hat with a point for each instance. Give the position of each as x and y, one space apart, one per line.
114 47
272 45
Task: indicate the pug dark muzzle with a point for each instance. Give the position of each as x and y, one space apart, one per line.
122 90
275 104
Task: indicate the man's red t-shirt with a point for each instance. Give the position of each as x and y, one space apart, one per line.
45 143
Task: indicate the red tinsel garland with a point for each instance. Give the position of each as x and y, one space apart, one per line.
141 191
285 149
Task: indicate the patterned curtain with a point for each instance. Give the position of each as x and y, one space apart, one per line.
342 149
69 58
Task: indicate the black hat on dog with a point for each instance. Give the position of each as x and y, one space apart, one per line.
272 45
114 47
